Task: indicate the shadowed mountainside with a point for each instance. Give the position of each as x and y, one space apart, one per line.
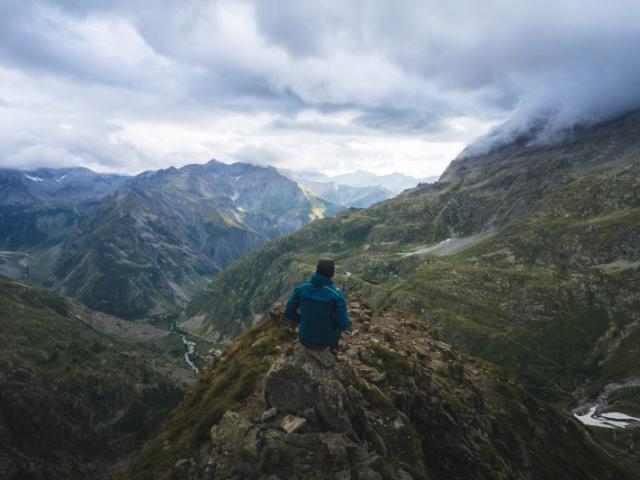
79 390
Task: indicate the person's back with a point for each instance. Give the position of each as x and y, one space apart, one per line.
319 308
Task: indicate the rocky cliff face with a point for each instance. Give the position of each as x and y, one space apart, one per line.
394 403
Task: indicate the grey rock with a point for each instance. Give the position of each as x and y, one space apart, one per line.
310 378
402 475
269 414
183 468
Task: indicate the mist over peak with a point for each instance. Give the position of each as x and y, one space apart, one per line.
574 98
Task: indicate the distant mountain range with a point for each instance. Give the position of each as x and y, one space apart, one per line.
136 246
394 182
357 197
56 186
359 189
38 207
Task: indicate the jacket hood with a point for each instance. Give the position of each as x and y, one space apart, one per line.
318 279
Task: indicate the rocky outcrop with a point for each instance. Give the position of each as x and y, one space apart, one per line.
394 403
318 426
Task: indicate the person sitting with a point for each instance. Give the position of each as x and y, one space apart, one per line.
319 308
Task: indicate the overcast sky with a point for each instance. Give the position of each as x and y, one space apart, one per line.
325 85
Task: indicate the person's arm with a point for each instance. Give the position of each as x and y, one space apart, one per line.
291 310
341 312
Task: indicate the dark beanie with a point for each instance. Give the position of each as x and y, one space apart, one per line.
326 268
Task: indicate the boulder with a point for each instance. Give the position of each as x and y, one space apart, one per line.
292 424
311 384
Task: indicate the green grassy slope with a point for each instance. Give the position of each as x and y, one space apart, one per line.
78 390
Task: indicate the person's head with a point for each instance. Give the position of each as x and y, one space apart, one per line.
326 268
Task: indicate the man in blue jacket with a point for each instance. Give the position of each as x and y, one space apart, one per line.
319 308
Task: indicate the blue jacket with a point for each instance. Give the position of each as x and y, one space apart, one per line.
323 313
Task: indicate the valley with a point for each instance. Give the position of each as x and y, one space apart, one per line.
524 257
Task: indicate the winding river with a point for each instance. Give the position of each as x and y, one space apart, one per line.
191 347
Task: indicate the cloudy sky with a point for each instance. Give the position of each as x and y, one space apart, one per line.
131 85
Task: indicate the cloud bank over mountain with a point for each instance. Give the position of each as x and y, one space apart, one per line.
378 85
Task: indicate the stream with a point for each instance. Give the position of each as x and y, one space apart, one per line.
191 347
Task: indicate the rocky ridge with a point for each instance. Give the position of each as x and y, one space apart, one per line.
394 403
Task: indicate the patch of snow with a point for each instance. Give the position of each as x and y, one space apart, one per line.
605 420
58 180
235 196
348 274
430 249
619 416
34 179
237 178
590 419
452 245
